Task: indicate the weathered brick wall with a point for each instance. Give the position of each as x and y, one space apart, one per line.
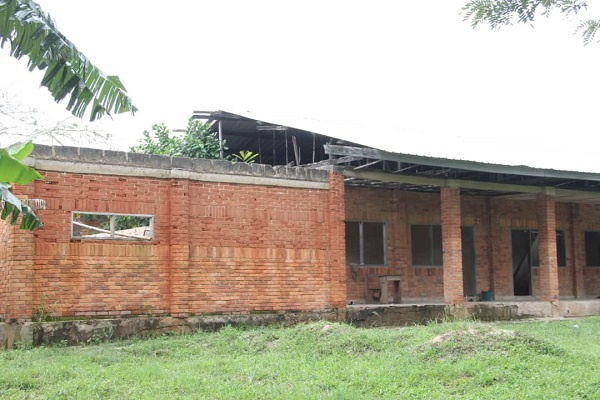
95 277
218 247
491 220
5 235
400 209
520 214
18 266
587 218
259 248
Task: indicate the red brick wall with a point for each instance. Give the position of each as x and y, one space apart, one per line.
521 214
5 233
18 266
400 209
492 221
217 248
587 219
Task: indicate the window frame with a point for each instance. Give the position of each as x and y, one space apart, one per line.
431 247
361 242
111 217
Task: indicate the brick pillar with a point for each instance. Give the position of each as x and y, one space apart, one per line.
500 250
576 250
19 267
452 245
179 247
491 243
337 241
547 246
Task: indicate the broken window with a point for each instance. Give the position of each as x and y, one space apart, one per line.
99 226
365 243
426 245
592 249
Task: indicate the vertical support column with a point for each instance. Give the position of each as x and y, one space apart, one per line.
221 140
179 247
19 267
500 250
490 225
337 241
576 250
547 246
452 245
394 240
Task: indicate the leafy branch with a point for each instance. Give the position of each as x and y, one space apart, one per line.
498 13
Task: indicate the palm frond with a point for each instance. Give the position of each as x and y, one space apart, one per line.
12 170
11 207
32 33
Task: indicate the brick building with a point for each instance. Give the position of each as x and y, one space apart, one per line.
131 234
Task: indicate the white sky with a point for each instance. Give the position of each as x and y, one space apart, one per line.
403 76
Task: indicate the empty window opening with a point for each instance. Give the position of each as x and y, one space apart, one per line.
365 243
592 249
525 255
101 226
426 245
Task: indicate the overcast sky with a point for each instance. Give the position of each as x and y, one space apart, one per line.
404 76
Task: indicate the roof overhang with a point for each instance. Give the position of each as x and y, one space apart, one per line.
414 173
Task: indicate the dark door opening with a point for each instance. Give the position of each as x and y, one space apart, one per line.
524 250
468 261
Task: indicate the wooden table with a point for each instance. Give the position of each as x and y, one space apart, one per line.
384 281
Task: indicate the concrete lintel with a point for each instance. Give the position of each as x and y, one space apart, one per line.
121 170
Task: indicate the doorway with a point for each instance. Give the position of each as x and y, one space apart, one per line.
468 261
524 252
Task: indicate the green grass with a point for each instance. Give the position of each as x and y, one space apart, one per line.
460 360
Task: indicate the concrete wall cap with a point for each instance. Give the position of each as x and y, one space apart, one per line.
155 162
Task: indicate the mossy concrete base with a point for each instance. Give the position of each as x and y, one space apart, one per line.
367 315
75 332
97 330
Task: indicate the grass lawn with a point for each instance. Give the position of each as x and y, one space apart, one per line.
461 360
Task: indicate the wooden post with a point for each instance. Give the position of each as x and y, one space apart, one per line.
296 150
274 153
220 140
286 149
314 146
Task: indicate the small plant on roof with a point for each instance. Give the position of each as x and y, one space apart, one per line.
245 156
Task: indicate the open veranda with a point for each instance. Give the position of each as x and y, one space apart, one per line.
555 359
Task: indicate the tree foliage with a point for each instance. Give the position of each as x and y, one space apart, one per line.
198 141
498 13
30 32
